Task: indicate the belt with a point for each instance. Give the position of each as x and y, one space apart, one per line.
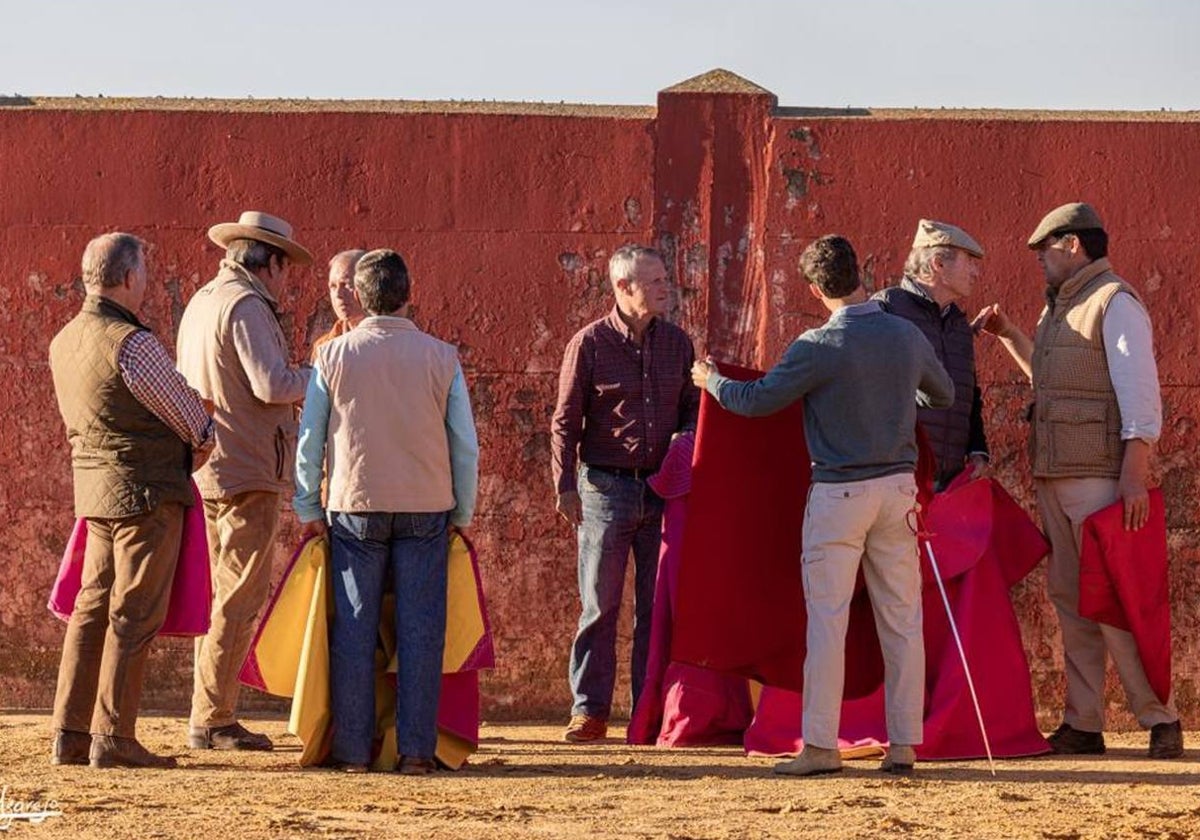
636 473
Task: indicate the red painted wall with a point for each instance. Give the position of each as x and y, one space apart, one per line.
507 220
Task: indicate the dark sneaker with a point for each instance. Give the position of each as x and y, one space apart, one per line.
585 728
111 751
70 747
1166 740
232 736
1067 740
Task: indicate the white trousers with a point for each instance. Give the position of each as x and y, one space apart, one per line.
845 525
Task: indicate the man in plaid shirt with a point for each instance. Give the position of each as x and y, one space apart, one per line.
623 392
136 429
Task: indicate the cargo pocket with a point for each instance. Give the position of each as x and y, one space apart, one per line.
1078 432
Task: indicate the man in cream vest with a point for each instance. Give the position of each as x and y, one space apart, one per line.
1096 416
387 421
232 350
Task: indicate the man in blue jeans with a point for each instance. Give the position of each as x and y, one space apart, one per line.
624 390
388 419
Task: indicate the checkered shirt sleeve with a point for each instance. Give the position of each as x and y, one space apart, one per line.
154 381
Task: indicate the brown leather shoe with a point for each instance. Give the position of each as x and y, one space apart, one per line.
585 728
70 747
111 751
1067 740
1166 740
412 766
232 736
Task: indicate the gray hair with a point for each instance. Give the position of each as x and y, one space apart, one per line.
108 258
920 260
623 262
346 260
252 254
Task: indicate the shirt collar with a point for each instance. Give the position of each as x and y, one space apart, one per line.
615 321
242 273
857 310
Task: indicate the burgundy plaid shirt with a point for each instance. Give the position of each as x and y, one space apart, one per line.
152 378
618 402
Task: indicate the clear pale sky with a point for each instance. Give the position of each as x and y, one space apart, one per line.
1103 54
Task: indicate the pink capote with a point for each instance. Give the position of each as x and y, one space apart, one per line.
1123 583
191 589
984 543
682 705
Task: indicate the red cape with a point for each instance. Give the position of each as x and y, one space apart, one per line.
1123 583
740 597
740 603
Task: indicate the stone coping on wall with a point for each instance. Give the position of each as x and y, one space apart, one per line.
562 109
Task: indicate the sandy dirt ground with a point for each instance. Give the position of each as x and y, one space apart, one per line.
525 783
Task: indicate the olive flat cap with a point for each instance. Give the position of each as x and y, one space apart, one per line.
1065 219
931 234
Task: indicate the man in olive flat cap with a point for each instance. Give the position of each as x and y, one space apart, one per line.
1096 416
232 350
939 274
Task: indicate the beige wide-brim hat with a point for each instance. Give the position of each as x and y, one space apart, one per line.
261 227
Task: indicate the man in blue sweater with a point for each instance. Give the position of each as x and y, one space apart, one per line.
857 375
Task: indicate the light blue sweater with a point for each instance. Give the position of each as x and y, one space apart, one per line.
857 375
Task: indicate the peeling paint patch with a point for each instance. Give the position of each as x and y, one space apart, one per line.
633 211
1154 281
808 138
570 261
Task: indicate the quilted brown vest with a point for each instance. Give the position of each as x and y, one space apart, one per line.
1076 419
125 460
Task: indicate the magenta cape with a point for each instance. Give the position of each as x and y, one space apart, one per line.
1123 583
191 588
682 705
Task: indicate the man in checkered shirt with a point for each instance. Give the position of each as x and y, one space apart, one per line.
136 429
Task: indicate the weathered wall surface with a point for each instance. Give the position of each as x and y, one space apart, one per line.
507 217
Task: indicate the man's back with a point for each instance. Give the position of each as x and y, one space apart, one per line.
857 374
388 386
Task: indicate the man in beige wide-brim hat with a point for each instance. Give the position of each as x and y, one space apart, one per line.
232 350
1096 416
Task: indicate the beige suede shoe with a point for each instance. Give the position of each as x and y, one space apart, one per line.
812 761
899 760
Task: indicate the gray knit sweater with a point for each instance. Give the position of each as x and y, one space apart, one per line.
857 375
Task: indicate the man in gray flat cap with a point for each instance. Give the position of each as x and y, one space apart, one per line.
1096 416
939 274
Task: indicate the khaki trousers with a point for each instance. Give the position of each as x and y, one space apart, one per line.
845 525
1064 503
127 572
241 534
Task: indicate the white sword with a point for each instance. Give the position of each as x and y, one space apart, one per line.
962 654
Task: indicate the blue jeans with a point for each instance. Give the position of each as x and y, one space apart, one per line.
620 513
365 548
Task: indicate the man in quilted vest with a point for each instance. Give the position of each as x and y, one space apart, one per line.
232 350
938 276
388 418
1095 418
135 429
